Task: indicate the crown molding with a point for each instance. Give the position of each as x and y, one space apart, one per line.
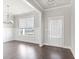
31 5
48 9
67 5
38 4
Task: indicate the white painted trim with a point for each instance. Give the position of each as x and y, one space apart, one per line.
29 41
40 44
38 4
55 17
57 46
8 40
28 3
31 5
73 52
67 5
49 9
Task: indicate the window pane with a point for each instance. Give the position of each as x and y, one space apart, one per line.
55 28
27 23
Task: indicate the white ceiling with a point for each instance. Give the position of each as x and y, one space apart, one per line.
20 6
17 7
46 5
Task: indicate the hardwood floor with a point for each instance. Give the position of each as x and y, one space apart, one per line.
22 50
56 53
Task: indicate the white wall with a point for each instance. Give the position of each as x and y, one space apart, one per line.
73 28
8 34
66 12
17 6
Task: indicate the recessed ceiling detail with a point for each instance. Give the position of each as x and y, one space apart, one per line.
51 2
46 4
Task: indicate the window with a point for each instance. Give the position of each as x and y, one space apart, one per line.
56 27
26 25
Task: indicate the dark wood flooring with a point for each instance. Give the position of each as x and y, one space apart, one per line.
22 50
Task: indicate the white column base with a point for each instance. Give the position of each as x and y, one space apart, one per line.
40 45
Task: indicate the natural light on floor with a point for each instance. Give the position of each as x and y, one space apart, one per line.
26 52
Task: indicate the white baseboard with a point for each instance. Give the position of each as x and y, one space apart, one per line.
40 45
57 46
7 40
73 52
28 41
